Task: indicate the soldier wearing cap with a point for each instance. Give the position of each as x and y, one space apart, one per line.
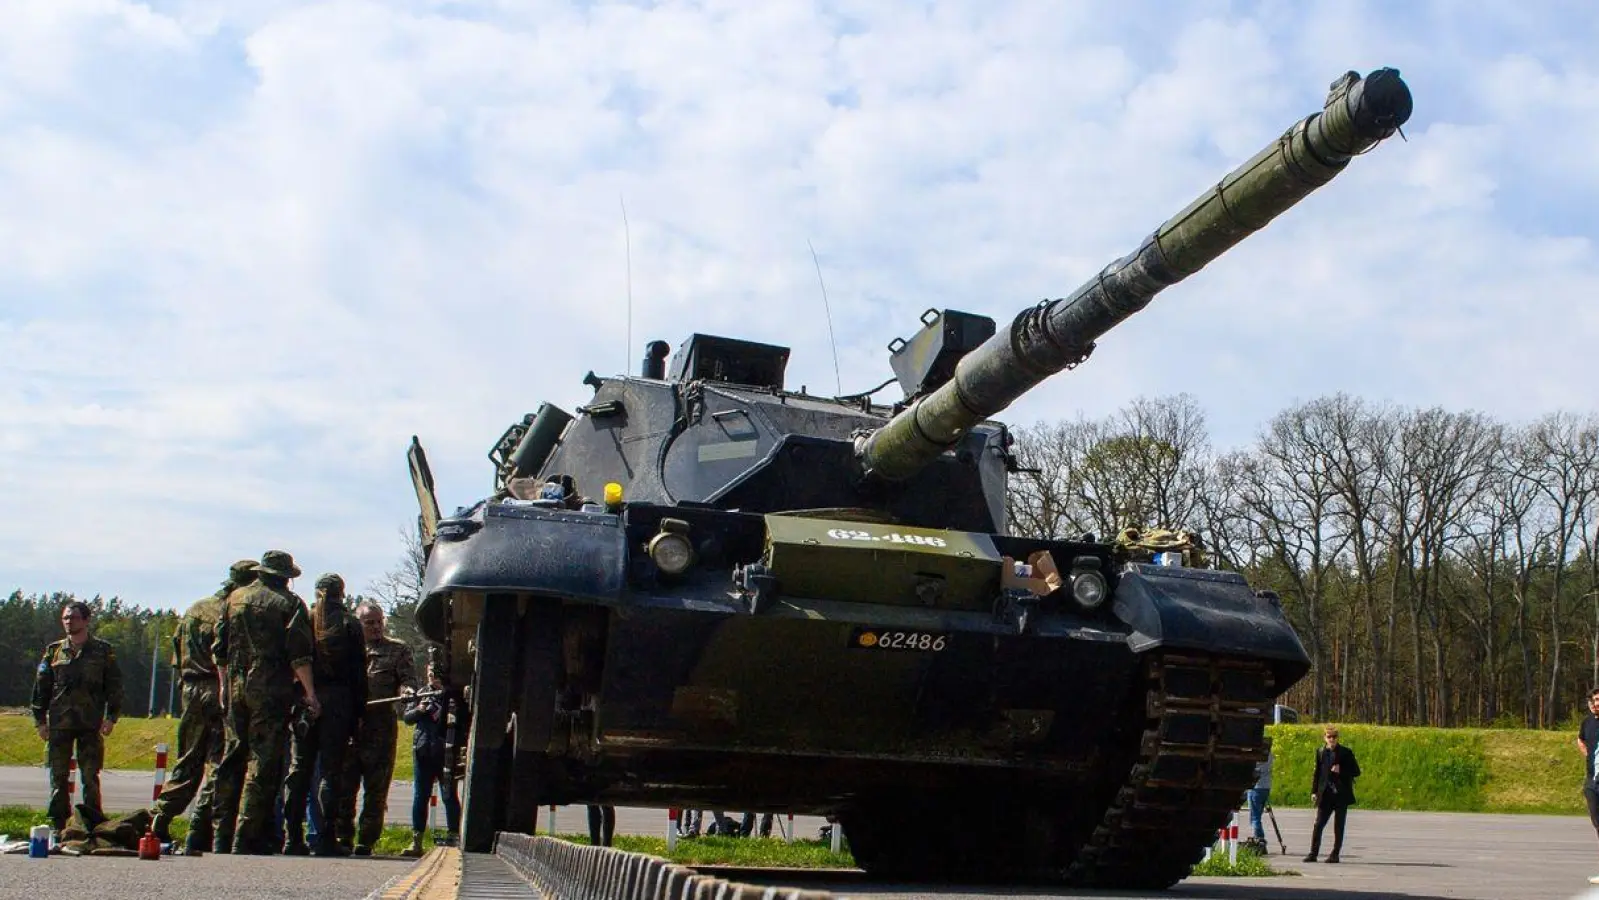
201 735
389 673
339 664
77 697
263 647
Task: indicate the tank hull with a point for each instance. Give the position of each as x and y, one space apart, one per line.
616 686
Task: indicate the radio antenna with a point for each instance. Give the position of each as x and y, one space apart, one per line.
828 311
627 237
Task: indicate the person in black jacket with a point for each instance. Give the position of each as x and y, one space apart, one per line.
1332 792
430 712
321 743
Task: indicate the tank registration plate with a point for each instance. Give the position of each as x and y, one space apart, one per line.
898 639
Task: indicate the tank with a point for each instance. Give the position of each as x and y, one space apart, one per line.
704 589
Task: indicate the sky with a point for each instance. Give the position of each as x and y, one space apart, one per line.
248 249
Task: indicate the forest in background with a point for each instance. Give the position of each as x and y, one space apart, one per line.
1439 566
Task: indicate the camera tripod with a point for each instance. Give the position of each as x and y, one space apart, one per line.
1273 816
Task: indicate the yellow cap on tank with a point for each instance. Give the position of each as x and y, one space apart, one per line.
613 494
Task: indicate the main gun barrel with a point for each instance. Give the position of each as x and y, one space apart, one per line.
1058 334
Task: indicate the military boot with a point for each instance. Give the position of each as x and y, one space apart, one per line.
161 827
327 846
296 846
415 850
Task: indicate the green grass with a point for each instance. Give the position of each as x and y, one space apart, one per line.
1491 770
1442 770
131 745
1250 865
752 852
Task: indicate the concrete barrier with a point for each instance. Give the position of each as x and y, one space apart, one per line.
565 871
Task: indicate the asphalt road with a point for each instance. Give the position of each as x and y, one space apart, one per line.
1398 855
1417 856
186 878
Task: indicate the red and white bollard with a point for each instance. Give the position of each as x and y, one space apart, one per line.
1232 841
552 820
160 771
673 816
788 835
72 776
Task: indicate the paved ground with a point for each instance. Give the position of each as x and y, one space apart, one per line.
1415 856
183 878
1388 854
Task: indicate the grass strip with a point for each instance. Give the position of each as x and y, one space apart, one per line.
131 746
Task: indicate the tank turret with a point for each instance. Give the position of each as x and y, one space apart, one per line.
1059 334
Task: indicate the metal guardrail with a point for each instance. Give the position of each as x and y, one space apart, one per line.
567 871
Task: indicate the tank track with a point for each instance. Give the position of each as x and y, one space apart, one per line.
1204 732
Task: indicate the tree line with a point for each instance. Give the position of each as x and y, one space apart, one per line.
143 641
1439 566
29 623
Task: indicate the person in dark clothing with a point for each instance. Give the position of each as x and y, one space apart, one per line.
339 663
1332 792
602 824
430 713
1588 743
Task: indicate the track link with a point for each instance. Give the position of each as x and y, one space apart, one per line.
1204 733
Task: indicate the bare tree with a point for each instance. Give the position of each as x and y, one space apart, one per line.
1287 486
399 592
1566 451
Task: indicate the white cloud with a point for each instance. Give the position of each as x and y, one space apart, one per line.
250 248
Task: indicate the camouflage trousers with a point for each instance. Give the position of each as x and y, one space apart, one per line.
58 756
201 738
250 776
369 772
328 742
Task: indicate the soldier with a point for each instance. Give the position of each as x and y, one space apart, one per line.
340 669
389 673
263 646
77 697
201 735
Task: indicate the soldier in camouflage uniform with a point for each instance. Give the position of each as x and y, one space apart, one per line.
77 697
263 646
389 673
201 736
340 669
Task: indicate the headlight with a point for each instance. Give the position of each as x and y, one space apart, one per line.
1088 589
672 552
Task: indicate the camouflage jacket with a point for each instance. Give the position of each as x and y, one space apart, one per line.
77 687
191 642
263 635
388 668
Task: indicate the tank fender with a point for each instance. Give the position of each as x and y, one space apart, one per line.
1199 609
527 549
